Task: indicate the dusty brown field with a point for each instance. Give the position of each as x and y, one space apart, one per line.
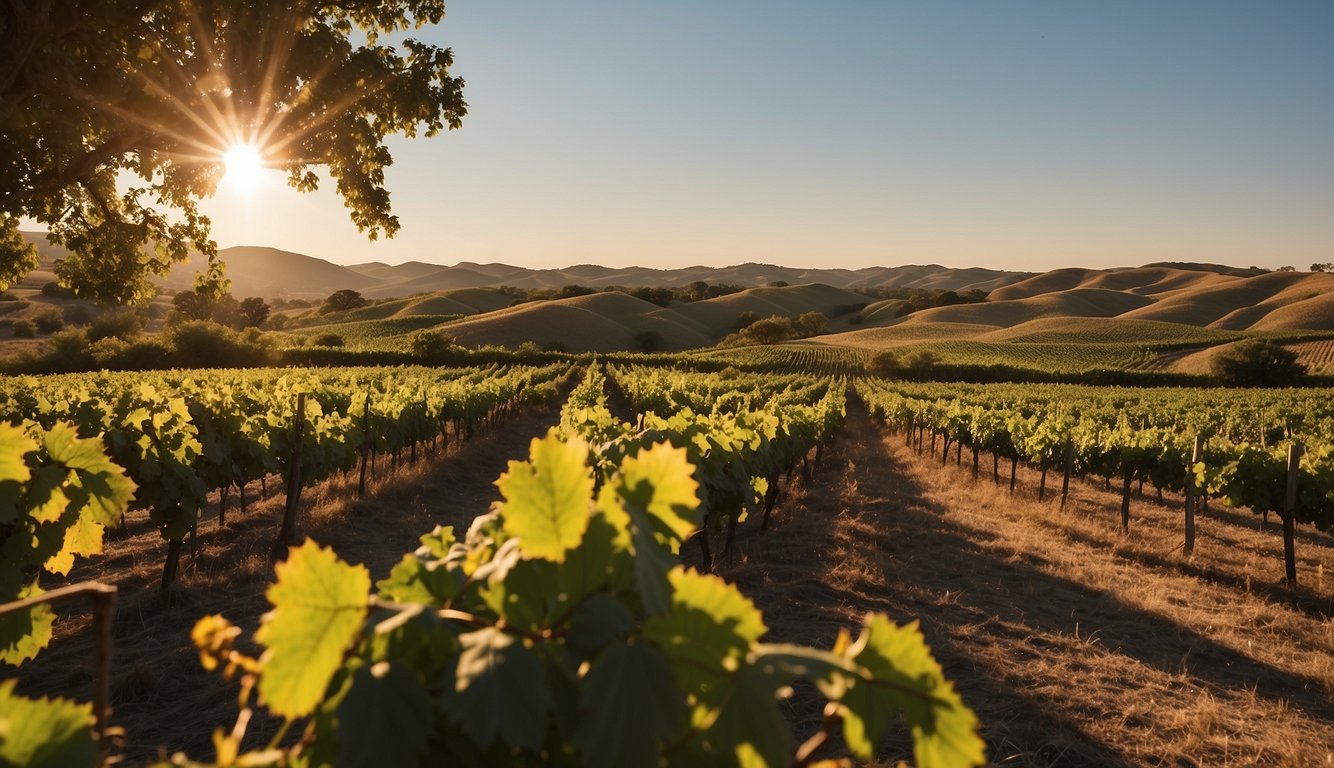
1076 645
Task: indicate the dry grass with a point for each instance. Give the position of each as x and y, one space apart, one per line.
1076 644
160 695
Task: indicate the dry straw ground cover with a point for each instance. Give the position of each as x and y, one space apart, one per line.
1076 644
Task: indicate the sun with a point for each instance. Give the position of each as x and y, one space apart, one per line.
245 167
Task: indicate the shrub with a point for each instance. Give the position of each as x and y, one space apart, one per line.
1257 363
812 323
885 365
205 344
67 351
23 329
327 340
57 291
49 321
120 323
78 314
429 345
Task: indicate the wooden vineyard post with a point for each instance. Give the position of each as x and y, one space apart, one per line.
103 598
1069 466
287 536
1042 481
365 445
1190 494
974 460
1125 498
1290 513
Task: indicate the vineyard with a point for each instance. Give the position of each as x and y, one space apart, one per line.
582 616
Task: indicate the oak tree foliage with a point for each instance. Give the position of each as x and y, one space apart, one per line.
115 114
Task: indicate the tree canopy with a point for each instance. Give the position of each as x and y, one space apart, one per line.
115 115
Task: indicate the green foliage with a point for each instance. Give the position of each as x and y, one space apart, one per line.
23 329
1257 363
49 321
770 330
514 658
120 323
58 492
318 606
44 733
342 300
429 345
163 92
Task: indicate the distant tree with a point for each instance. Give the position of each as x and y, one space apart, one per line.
1257 363
885 365
770 330
745 319
812 323
1327 266
114 117
1286 269
327 340
697 291
189 306
340 301
57 291
921 363
254 311
648 341
429 345
571 291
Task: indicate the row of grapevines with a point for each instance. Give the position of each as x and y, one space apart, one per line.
1114 434
180 435
741 433
562 630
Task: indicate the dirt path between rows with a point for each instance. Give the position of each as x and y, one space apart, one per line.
160 694
1073 646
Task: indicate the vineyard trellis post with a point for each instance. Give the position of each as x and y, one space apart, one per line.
287 536
1195 454
1126 477
1290 513
1069 466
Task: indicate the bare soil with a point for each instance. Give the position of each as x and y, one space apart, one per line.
161 696
1076 644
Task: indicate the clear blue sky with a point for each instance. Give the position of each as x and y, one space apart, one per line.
1024 135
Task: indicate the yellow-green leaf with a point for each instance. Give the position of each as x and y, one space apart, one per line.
547 498
319 604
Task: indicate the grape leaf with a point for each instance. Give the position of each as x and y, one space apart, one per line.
629 707
547 498
709 629
944 729
24 633
319 603
38 733
499 690
386 718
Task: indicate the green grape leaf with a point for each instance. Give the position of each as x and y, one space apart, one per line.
750 725
24 633
319 603
83 537
386 718
547 498
38 733
660 480
944 729
414 580
14 470
46 499
709 629
598 621
629 707
102 486
500 690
